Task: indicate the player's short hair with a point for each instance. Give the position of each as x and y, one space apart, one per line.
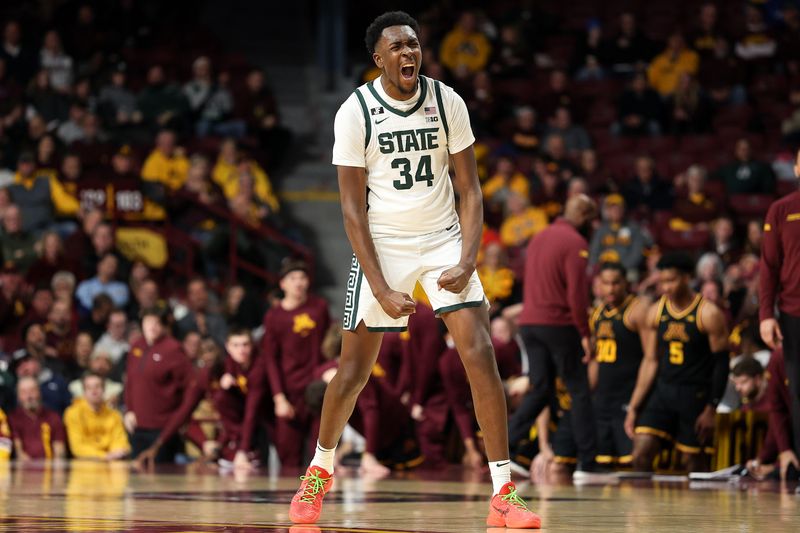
680 261
387 20
615 266
748 366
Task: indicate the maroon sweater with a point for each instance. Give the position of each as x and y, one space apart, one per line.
420 373
556 289
238 406
778 403
292 346
37 432
157 377
780 258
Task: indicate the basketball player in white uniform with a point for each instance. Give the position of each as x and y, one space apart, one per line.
395 138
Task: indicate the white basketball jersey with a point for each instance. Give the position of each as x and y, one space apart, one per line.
405 148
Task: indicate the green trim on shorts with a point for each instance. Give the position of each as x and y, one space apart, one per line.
456 307
349 322
398 329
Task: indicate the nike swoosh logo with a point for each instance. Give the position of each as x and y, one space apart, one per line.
382 120
507 462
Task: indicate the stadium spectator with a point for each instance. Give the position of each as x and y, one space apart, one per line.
707 34
526 137
291 346
754 236
94 429
95 322
556 157
522 221
746 175
560 94
757 42
709 268
114 341
575 137
722 76
39 195
81 355
484 107
548 192
40 303
496 277
507 179
117 104
38 432
647 191
233 169
629 49
789 39
666 69
60 330
723 240
692 204
201 317
210 102
617 239
20 59
688 108
17 245
51 259
38 361
158 374
590 57
510 55
465 49
63 285
638 110
257 106
99 363
191 346
186 209
161 103
104 282
145 296
56 62
167 164
71 130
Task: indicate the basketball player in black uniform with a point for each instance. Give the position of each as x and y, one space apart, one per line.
687 372
616 325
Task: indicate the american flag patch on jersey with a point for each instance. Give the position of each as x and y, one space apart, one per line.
430 110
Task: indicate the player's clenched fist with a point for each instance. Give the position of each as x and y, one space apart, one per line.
396 304
454 279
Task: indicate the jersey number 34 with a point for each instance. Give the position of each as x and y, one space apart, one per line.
424 172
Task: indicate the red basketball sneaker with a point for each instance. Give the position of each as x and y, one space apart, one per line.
507 509
307 502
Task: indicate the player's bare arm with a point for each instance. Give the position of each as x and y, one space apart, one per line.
470 216
714 324
352 190
649 365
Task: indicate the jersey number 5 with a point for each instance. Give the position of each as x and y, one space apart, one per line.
424 172
676 353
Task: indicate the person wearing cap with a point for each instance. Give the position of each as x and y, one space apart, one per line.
780 291
292 347
619 239
40 196
158 375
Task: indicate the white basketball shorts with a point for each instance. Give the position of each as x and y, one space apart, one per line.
404 261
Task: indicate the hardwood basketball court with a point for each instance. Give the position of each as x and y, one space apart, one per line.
90 496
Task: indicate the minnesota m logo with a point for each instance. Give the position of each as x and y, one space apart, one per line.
676 331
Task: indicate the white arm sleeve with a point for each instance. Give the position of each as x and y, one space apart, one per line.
349 131
460 136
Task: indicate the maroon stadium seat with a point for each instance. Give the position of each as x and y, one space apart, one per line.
750 205
692 240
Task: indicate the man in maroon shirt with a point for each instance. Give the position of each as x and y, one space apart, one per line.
158 374
555 326
236 387
780 287
38 433
292 348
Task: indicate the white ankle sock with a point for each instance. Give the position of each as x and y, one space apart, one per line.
501 474
324 457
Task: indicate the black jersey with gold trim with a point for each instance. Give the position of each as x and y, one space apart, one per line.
684 352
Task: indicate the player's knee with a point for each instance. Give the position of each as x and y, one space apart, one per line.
479 355
350 379
645 449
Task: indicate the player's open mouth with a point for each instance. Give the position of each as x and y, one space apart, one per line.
407 71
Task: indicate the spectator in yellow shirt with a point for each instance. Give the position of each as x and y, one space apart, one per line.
167 163
465 50
522 221
667 68
497 279
95 430
506 180
5 437
232 169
